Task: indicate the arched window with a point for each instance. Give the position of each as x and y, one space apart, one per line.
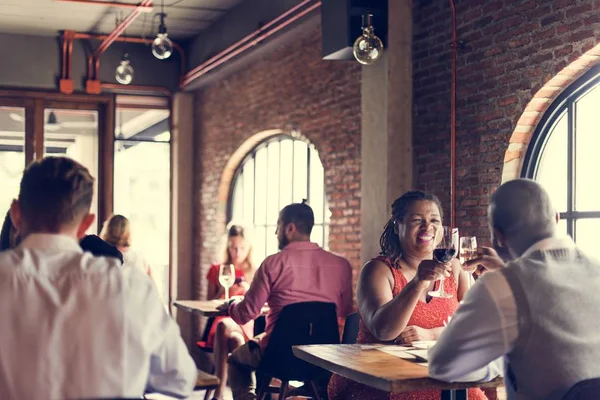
563 156
277 172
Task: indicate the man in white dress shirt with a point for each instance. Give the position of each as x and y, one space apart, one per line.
73 326
538 312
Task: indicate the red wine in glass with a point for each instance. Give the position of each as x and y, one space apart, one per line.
446 249
444 255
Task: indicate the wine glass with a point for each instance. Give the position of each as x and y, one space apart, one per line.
468 248
444 252
468 251
226 278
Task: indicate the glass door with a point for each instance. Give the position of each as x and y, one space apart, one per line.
12 154
74 134
142 185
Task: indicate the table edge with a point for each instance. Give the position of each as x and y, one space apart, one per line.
388 385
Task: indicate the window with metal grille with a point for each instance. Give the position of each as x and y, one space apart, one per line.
279 171
563 157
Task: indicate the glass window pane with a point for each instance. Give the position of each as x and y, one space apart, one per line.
317 235
12 154
274 176
74 134
552 168
272 244
562 227
142 124
238 199
587 142
142 194
317 182
248 176
285 177
300 171
259 250
260 187
585 233
273 184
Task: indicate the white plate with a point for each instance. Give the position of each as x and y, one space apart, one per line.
423 345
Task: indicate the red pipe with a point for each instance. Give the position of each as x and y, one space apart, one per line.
93 73
110 4
454 46
64 58
220 59
69 57
200 69
121 28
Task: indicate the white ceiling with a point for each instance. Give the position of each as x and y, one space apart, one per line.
185 18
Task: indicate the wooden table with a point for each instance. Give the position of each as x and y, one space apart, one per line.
383 371
206 308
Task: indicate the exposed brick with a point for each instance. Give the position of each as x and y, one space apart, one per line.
524 45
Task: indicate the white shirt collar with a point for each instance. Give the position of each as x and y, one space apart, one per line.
555 242
47 241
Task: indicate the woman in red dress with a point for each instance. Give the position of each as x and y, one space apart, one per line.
225 335
392 291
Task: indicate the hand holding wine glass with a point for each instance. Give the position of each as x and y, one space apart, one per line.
486 259
226 278
468 251
445 252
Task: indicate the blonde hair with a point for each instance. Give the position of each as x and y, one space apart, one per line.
117 231
237 231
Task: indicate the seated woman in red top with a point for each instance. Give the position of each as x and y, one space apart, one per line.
392 291
225 335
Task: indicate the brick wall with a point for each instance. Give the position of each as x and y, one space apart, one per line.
292 87
510 50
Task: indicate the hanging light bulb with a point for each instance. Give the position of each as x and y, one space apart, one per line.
367 48
162 47
124 72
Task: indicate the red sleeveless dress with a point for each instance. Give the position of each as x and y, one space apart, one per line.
425 315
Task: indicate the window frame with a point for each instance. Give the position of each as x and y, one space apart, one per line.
325 224
563 103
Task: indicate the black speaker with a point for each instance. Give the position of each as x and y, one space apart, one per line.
341 24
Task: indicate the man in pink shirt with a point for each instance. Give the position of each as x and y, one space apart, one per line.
301 272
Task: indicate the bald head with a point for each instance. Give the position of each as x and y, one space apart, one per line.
521 209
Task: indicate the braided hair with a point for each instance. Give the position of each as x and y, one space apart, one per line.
390 241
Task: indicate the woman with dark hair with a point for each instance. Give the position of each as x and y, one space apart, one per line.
392 292
224 335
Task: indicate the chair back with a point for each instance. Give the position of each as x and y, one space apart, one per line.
351 329
299 324
588 389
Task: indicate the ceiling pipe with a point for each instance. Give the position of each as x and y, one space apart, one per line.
255 38
453 46
249 41
142 8
93 82
65 82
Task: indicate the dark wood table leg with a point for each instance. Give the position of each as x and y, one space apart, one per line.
460 394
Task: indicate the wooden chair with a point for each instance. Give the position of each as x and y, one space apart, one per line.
206 381
298 324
